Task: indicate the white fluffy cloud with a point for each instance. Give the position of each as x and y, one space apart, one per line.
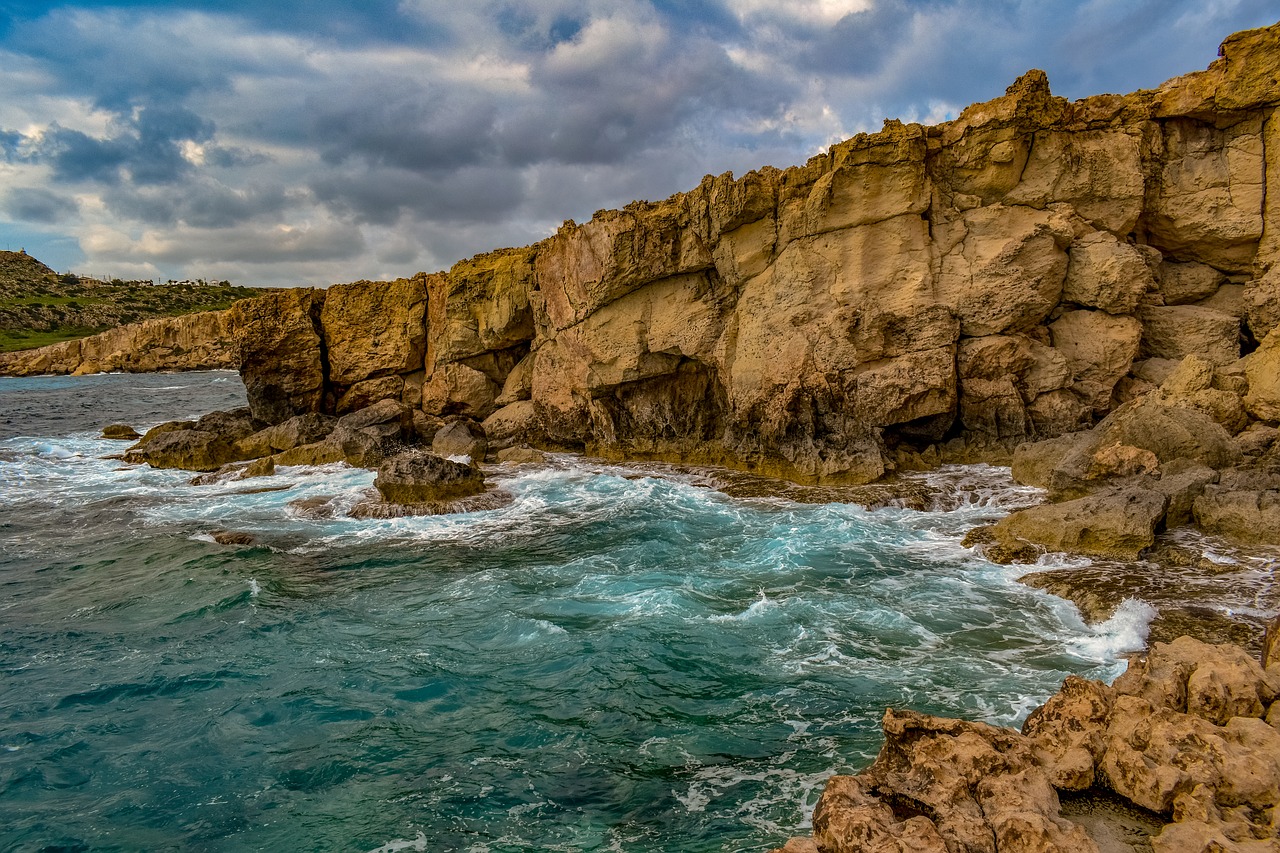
311 142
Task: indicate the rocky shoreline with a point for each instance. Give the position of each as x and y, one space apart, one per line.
1087 291
1182 753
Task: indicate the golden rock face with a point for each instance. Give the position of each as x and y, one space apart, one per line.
818 317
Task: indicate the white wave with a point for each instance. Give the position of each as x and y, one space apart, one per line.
757 607
1126 631
398 844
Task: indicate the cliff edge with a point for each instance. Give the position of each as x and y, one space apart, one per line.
909 296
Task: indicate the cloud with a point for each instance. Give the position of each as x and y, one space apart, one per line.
240 137
33 204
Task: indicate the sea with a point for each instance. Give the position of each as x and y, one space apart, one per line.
623 657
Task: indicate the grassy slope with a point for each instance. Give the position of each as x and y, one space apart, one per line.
38 307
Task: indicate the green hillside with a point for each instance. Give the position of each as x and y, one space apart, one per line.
39 307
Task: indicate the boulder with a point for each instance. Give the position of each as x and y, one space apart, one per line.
521 454
1176 331
298 430
1184 283
278 344
1262 367
120 431
1106 274
513 423
1099 349
458 439
419 477
1113 526
1243 514
188 449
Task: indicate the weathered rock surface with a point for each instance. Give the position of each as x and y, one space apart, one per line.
120 431
201 341
278 347
1182 734
915 295
1116 526
418 477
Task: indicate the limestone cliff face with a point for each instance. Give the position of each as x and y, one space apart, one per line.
191 342
952 290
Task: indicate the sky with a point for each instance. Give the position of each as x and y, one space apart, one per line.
306 142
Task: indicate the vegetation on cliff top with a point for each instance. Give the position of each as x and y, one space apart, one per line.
40 307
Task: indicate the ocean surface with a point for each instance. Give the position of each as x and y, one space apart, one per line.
622 658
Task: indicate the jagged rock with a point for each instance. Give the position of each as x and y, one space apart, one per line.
1246 515
971 787
1106 274
1190 386
1271 644
1067 732
418 477
1256 440
1182 284
120 431
1180 734
1117 526
1099 349
278 344
189 449
459 439
374 329
1007 271
513 423
522 454
1262 303
369 391
1176 331
1213 682
298 430
203 445
232 426
1262 368
1182 481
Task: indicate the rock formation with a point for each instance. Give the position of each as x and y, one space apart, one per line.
191 342
1190 734
923 292
1031 269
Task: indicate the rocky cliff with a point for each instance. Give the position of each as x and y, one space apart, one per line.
917 294
202 341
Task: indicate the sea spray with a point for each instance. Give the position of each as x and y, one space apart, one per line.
623 657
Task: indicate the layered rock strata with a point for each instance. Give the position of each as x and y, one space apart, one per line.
1190 736
202 341
917 294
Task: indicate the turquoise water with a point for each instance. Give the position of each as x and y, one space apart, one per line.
623 658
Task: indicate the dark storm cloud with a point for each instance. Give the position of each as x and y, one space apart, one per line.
254 133
382 195
201 204
146 148
404 124
33 204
